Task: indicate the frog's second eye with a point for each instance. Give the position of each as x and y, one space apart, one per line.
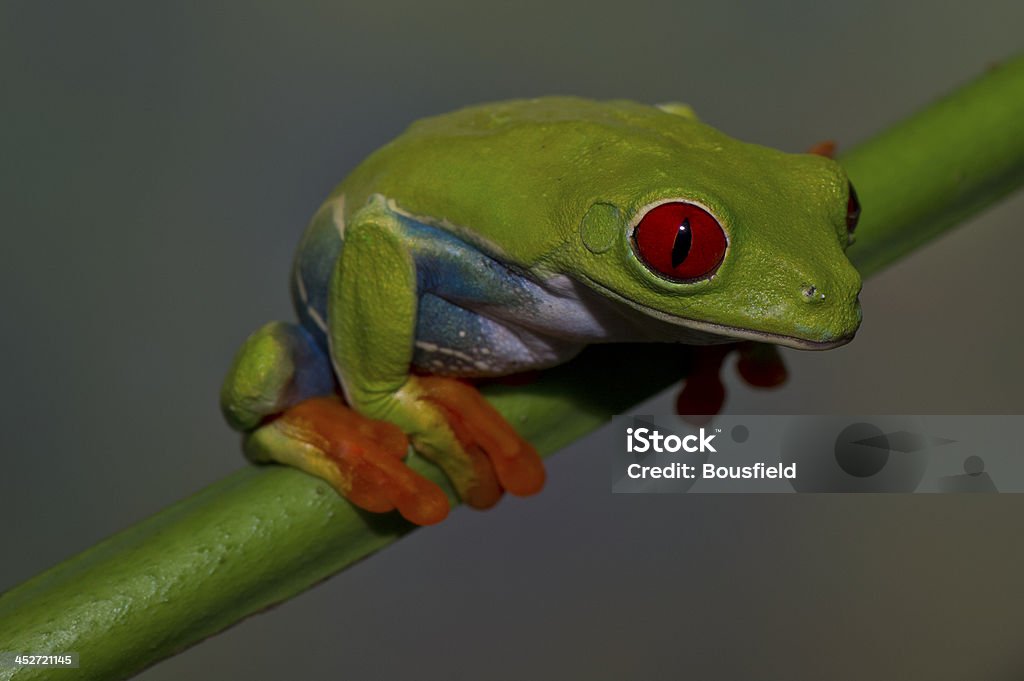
852 210
680 241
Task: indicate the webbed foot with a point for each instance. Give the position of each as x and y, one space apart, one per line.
481 453
703 395
360 457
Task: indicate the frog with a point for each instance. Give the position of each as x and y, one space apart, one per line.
504 238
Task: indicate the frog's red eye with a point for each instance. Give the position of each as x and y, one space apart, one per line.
852 210
680 241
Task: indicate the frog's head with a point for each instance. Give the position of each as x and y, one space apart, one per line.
721 237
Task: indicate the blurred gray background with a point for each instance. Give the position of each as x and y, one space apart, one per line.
157 164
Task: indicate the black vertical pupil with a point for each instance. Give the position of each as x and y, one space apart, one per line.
681 245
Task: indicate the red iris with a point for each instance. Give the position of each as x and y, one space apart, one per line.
680 241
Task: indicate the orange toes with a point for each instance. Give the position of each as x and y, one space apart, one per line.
480 428
703 394
826 148
761 365
482 488
382 483
363 458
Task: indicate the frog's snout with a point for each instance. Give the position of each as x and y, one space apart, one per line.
833 302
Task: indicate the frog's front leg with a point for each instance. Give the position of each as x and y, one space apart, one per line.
280 392
371 318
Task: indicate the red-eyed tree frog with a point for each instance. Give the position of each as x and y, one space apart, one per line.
504 238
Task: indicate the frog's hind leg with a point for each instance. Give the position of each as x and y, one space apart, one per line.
281 394
277 367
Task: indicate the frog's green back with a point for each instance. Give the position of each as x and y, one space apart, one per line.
557 185
516 176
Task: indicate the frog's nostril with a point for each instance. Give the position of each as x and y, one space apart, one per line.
812 294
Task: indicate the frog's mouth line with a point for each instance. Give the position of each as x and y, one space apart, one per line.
762 336
728 332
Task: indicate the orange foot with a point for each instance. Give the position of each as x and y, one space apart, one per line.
489 455
703 395
827 148
360 457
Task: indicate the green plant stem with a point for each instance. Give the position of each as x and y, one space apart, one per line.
265 534
935 169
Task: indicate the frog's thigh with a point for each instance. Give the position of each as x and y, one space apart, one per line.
371 319
371 312
278 366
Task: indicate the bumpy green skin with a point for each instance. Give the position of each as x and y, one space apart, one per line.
784 214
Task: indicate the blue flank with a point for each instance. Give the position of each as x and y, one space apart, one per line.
477 317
